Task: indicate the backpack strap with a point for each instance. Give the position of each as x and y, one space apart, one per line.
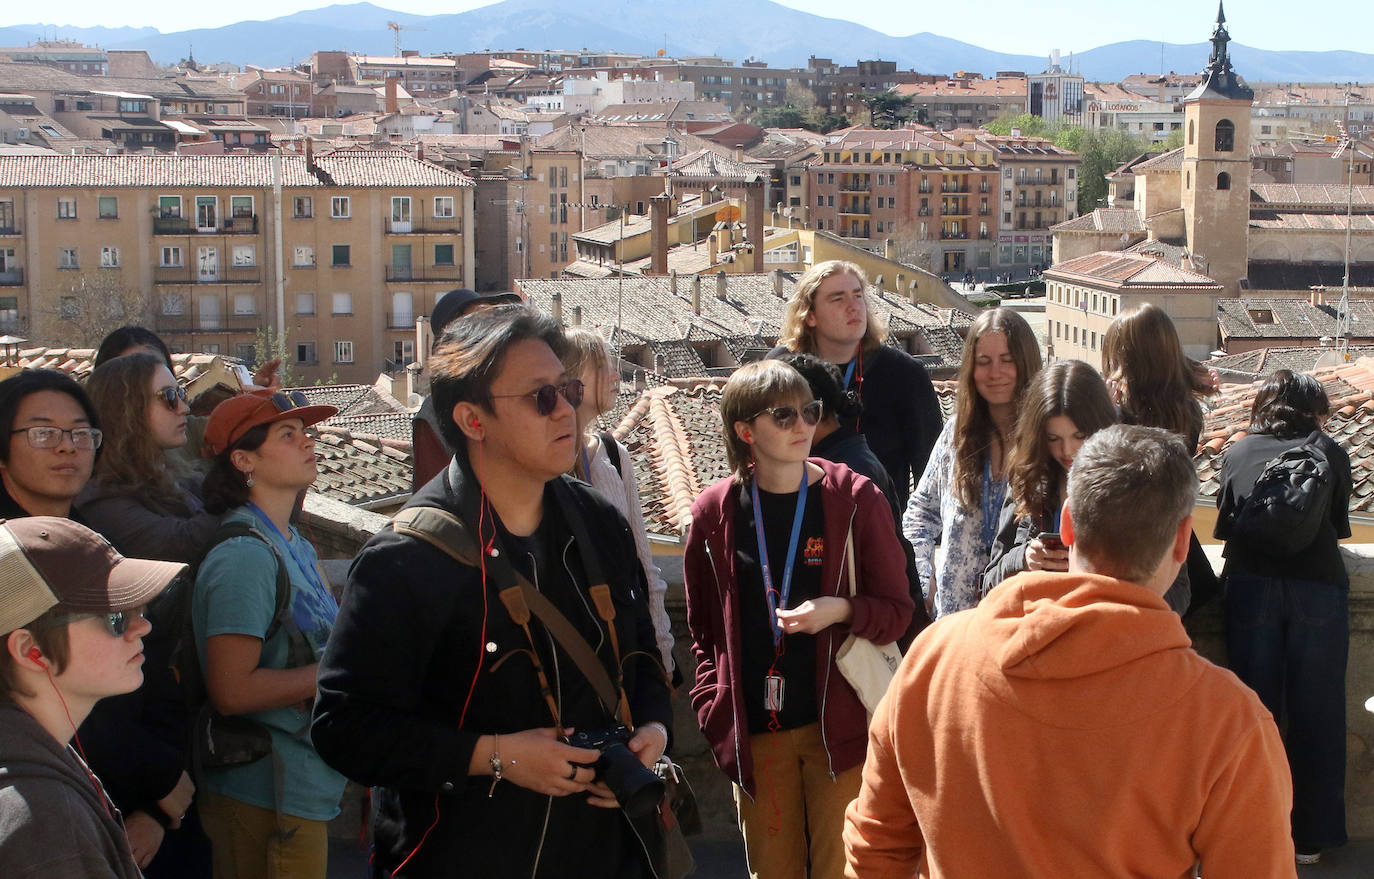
449 534
612 448
298 649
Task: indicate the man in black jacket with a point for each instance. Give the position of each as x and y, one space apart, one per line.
828 316
431 690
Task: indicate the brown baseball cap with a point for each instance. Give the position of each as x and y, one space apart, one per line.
238 415
48 562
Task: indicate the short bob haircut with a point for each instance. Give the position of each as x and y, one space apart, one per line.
473 353
1129 489
1070 388
15 389
796 336
973 425
753 388
1289 404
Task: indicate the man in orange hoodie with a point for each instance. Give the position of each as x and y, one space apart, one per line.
1065 726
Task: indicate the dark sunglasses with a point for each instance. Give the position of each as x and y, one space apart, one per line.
786 416
546 397
172 395
116 622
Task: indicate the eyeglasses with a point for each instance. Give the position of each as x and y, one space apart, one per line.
43 437
786 416
546 397
172 395
116 622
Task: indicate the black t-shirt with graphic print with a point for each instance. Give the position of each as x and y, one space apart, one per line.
797 664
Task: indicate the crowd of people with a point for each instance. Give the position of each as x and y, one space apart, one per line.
185 694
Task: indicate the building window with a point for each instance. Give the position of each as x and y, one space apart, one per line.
108 207
66 209
400 212
1223 180
443 207
305 303
109 257
343 352
305 256
244 303
245 255
302 207
66 258
1226 136
247 352
443 254
241 206
305 352
171 256
169 207
341 255
343 304
338 207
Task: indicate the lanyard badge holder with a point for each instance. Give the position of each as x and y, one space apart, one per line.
774 686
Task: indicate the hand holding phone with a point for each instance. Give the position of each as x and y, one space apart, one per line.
1047 552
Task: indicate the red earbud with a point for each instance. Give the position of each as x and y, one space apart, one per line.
748 436
37 656
476 423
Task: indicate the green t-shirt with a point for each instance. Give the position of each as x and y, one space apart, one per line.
236 588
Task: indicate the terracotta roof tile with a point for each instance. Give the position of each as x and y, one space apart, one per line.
358 169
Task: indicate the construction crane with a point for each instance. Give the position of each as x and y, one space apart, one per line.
396 28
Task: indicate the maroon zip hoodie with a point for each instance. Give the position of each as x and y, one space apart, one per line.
882 610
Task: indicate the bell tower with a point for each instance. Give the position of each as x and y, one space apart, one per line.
1216 167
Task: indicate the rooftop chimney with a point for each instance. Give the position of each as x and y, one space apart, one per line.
309 152
739 152
755 194
778 283
878 285
915 293
393 106
658 234
672 281
1317 297
557 307
696 294
577 315
889 250
722 285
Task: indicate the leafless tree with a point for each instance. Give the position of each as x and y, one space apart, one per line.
84 308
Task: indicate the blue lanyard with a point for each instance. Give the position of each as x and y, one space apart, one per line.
774 600
994 492
849 371
306 569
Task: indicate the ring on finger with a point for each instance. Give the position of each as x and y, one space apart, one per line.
572 773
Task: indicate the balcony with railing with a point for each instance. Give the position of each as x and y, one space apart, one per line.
855 207
9 230
950 235
192 275
12 277
429 226
954 187
242 225
406 274
246 224
923 212
400 320
208 323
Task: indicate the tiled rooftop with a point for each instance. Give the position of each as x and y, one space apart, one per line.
1274 275
1123 270
79 362
344 168
1166 161
1251 365
352 399
1104 220
1288 318
361 469
1298 194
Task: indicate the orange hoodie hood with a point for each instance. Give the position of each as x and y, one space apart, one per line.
1037 630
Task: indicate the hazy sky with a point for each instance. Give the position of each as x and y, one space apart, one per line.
1003 25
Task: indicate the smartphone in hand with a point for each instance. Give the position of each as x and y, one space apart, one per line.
1050 540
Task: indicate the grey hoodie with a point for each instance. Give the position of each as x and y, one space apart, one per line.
54 821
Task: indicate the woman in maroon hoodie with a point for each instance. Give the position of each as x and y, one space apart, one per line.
768 606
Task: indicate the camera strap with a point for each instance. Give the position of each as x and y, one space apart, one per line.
448 533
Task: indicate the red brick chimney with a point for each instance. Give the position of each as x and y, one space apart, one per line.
754 194
309 152
393 106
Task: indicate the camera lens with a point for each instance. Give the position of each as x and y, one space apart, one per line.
638 789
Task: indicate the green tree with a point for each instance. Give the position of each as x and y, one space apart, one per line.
1172 142
886 109
1030 126
267 343
778 117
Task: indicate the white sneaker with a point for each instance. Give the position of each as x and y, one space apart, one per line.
1309 857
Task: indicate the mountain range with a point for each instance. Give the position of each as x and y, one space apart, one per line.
732 29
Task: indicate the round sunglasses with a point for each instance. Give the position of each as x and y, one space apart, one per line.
546 397
172 395
116 622
786 416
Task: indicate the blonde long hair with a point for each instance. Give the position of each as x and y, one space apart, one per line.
585 347
799 338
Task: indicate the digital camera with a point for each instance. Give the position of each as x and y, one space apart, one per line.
637 788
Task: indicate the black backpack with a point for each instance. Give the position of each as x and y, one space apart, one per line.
1289 502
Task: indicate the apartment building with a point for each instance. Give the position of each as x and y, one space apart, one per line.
276 93
421 77
965 101
67 55
340 251
937 198
1037 187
